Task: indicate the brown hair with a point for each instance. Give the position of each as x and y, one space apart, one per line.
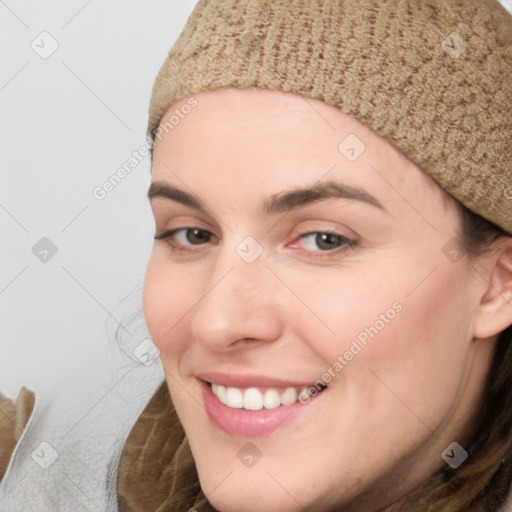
482 482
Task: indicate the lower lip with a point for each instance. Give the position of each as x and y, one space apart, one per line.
249 423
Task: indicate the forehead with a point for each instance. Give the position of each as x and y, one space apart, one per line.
266 141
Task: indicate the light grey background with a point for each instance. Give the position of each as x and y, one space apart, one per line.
67 123
507 4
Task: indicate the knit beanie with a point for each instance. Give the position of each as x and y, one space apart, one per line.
434 77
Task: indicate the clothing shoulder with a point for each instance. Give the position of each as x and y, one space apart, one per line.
62 447
14 416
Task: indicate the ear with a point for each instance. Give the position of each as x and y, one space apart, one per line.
494 312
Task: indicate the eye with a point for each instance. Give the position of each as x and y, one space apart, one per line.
318 242
177 238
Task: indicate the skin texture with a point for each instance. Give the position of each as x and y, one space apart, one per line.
380 427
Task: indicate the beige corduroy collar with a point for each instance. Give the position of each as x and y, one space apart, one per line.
156 461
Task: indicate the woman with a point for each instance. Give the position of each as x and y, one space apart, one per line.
330 287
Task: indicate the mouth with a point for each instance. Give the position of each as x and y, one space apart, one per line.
255 410
256 399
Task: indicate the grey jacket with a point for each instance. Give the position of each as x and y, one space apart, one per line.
68 454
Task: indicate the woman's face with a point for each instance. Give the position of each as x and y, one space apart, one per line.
307 253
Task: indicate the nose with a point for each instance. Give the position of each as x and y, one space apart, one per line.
240 304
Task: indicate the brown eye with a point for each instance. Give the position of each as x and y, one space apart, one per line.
328 241
198 236
324 241
181 240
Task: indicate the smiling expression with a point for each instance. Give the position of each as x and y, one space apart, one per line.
315 334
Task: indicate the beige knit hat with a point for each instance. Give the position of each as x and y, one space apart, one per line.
432 76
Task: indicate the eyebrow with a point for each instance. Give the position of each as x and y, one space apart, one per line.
277 203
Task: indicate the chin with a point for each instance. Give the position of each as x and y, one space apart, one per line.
231 487
255 498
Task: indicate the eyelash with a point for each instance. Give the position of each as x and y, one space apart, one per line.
347 243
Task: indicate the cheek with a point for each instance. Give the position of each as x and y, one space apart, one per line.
165 301
418 357
410 329
341 306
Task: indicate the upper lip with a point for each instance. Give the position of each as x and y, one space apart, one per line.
247 381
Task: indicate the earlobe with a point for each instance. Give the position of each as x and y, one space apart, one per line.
495 309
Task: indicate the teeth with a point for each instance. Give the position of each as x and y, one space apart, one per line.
303 395
219 392
271 399
253 399
289 396
234 398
